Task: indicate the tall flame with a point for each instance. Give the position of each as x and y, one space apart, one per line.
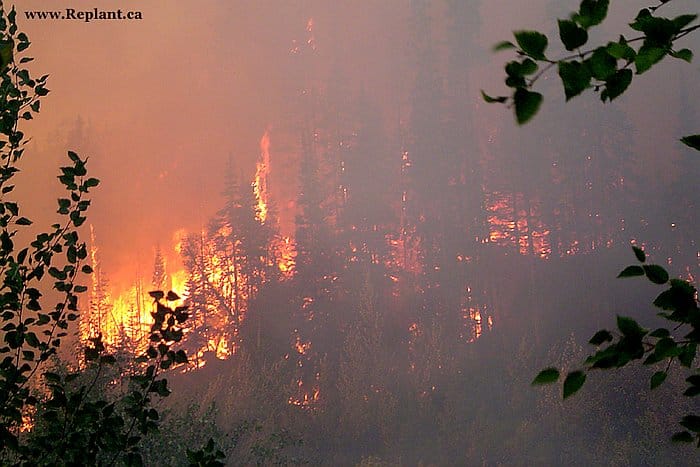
122 315
262 170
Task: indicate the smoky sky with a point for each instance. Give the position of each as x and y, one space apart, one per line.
161 105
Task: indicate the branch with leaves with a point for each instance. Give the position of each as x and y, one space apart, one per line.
609 71
72 423
632 342
606 69
30 333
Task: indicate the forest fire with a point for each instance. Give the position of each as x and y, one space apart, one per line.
215 279
366 257
123 319
516 224
308 400
262 170
286 256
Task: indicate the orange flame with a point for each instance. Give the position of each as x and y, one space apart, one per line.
516 224
122 318
286 254
262 170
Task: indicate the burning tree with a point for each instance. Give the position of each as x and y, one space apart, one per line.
47 418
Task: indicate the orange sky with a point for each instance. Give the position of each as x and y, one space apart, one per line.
160 104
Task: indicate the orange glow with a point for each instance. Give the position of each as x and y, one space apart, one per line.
306 399
122 315
515 222
262 171
27 419
302 347
476 317
311 39
404 254
286 253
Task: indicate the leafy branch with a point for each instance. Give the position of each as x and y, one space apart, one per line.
58 253
606 69
609 70
633 342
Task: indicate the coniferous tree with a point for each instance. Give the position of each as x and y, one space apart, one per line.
366 403
92 323
369 179
159 274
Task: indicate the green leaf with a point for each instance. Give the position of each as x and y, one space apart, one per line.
659 31
631 271
6 243
683 20
666 347
608 357
180 356
655 273
692 141
683 54
658 378
575 76
629 327
693 379
91 354
639 253
648 56
691 422
532 43
546 376
679 298
491 100
528 67
682 437
571 34
156 294
600 337
592 12
6 51
687 355
616 85
160 387
621 51
52 377
661 332
32 340
503 45
517 69
74 157
23 221
573 383
92 182
517 81
602 64
527 103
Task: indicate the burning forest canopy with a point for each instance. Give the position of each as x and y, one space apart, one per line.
354 232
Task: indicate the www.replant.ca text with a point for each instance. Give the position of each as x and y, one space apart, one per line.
73 14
